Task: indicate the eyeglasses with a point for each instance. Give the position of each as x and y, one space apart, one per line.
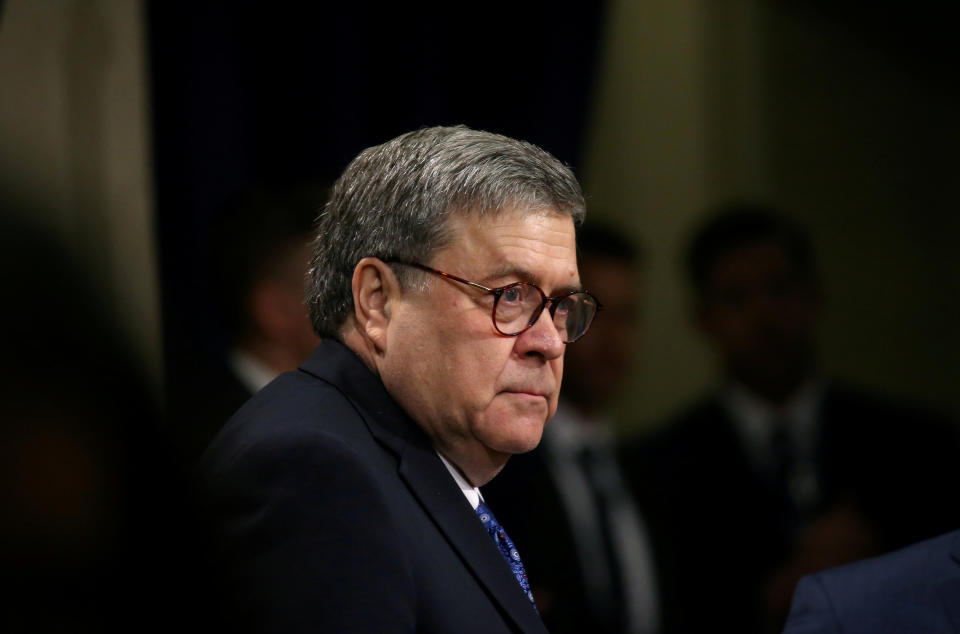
518 306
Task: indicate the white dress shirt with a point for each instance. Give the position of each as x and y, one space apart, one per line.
755 419
469 491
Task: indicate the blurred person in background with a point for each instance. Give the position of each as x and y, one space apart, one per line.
262 253
584 540
85 487
782 470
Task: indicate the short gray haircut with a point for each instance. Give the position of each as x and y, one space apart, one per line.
393 200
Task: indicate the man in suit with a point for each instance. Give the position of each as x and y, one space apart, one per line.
916 589
344 497
792 471
585 542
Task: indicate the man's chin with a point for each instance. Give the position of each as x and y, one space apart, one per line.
519 443
513 430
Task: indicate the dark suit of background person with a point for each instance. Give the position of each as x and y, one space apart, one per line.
342 497
916 589
584 541
782 471
262 249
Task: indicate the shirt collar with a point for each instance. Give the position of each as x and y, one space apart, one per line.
253 373
472 493
569 431
754 418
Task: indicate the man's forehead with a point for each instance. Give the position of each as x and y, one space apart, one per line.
525 245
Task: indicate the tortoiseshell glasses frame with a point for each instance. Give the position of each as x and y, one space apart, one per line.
516 308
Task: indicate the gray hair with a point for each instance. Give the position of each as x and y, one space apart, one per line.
393 200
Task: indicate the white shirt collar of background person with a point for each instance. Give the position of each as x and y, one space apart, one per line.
754 420
570 431
566 435
253 373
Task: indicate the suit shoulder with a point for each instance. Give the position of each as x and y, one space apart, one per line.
297 417
896 592
891 573
899 591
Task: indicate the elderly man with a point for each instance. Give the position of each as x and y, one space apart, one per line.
344 496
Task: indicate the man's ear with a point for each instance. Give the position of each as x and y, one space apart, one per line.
374 288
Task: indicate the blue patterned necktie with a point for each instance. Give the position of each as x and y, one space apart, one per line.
506 548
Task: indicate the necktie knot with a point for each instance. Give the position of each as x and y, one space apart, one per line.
505 545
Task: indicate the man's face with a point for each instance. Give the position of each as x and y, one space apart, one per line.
761 314
481 395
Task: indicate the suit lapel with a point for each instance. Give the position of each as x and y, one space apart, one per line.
430 482
426 477
950 591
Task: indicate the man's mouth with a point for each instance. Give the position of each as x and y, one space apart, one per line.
532 393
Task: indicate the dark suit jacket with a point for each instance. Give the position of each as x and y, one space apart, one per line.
199 403
718 524
331 512
912 591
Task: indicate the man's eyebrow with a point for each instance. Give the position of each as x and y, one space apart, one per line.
520 274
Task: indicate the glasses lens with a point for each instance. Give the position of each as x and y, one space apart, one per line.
573 315
516 306
518 302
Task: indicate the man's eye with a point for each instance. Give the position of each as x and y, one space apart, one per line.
512 295
564 306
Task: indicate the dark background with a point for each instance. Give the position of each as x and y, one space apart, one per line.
252 94
858 126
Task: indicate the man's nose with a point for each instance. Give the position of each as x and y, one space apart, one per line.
542 338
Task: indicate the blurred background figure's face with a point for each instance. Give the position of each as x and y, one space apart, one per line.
300 329
596 365
278 311
760 314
